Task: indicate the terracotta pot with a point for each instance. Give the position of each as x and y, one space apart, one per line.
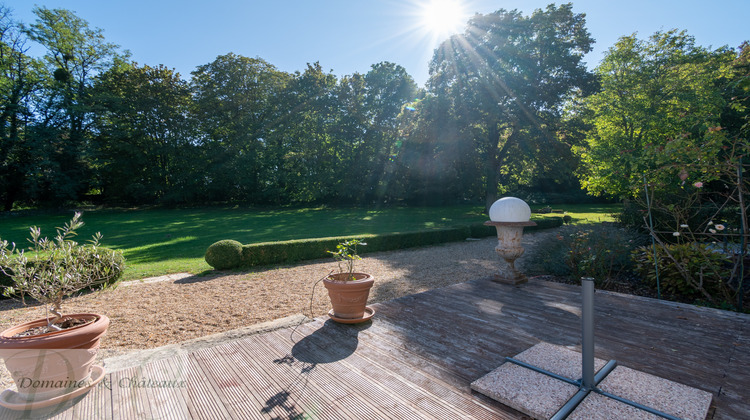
47 365
349 297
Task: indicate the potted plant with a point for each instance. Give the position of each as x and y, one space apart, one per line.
51 359
347 289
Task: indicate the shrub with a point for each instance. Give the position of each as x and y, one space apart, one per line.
225 254
601 251
345 255
268 253
106 266
707 268
53 269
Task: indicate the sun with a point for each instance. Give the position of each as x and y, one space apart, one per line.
443 17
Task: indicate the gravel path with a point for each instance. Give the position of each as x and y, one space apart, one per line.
173 309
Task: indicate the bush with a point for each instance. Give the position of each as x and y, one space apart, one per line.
268 253
107 264
104 264
708 268
225 254
53 269
601 251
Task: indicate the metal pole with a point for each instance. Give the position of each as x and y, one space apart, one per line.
587 343
588 383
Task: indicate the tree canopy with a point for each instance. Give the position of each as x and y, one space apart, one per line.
655 93
505 81
509 107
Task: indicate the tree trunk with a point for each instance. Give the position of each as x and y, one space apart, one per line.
492 167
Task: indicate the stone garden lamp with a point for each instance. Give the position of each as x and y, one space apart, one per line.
509 215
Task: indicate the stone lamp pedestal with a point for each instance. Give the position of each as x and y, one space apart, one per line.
509 248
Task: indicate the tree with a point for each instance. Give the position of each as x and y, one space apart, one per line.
388 88
309 167
145 143
506 80
367 126
658 99
75 54
19 78
236 106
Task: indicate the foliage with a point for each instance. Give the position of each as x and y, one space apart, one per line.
503 110
504 82
224 254
601 251
692 270
59 267
60 135
345 255
268 253
19 79
143 150
658 107
237 108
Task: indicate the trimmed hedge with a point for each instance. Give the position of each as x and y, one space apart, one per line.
269 253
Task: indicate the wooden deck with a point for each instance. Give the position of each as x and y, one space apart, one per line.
417 357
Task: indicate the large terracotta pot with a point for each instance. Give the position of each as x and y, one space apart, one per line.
349 297
52 364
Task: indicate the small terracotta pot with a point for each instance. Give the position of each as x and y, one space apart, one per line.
349 297
47 365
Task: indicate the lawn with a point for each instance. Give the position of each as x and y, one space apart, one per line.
585 213
163 241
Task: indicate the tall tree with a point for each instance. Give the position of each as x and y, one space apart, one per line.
388 88
19 78
506 80
236 100
310 167
145 145
367 124
654 94
75 54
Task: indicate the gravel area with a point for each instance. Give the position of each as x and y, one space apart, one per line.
157 312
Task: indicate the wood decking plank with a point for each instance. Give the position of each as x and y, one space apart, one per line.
314 392
207 403
419 354
233 391
437 389
330 360
388 386
127 402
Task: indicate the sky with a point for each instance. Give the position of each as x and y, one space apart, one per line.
348 36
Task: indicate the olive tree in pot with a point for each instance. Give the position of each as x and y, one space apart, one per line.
51 359
348 289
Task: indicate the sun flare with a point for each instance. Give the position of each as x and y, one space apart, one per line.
443 17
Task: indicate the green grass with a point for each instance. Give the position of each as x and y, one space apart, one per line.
163 241
585 213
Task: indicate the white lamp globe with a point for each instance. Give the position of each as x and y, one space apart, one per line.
510 209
